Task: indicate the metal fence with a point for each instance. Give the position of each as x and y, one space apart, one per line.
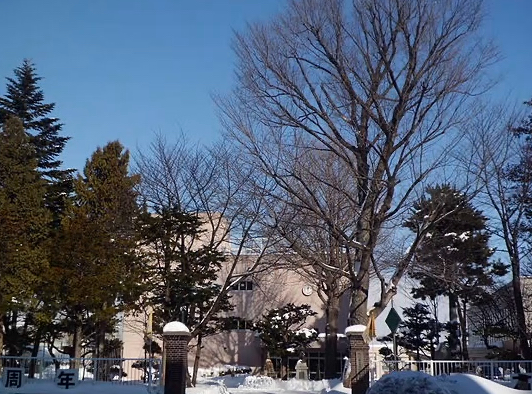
495 370
114 370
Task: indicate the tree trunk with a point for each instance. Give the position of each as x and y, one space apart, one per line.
9 334
188 379
35 353
331 338
24 332
284 368
197 360
1 336
103 372
453 328
462 315
358 307
520 311
50 347
76 346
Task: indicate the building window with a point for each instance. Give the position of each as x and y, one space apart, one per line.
244 285
238 323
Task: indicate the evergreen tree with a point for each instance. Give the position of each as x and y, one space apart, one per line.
419 331
25 99
24 228
282 333
97 258
454 259
182 273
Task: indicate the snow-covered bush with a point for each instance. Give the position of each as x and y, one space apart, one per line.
408 382
258 382
281 330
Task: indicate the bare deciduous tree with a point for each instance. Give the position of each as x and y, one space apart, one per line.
495 317
214 184
493 150
377 83
309 247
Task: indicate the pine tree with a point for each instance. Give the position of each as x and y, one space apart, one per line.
24 225
419 331
182 273
282 333
24 99
97 256
454 259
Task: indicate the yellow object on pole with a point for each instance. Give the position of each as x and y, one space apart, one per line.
371 329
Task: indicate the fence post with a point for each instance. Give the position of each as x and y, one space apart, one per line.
359 359
176 336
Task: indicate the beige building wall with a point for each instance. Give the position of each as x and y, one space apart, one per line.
271 289
215 232
133 334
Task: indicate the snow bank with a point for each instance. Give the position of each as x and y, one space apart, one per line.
409 382
49 387
406 382
260 383
473 384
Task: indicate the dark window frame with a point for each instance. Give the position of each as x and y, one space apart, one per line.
245 285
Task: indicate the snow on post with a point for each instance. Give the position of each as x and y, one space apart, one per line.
176 328
176 336
356 329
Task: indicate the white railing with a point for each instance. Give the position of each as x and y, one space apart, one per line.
115 370
496 370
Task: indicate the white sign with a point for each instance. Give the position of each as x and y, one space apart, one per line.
13 378
67 378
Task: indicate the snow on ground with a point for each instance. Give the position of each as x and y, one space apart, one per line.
87 387
406 382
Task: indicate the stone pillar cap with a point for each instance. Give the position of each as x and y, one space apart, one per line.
356 329
176 328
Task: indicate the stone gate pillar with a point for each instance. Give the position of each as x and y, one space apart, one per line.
176 336
358 358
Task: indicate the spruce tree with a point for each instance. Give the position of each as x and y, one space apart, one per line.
24 227
454 259
97 249
182 272
24 99
419 331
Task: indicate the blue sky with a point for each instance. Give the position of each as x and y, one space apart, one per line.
125 69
